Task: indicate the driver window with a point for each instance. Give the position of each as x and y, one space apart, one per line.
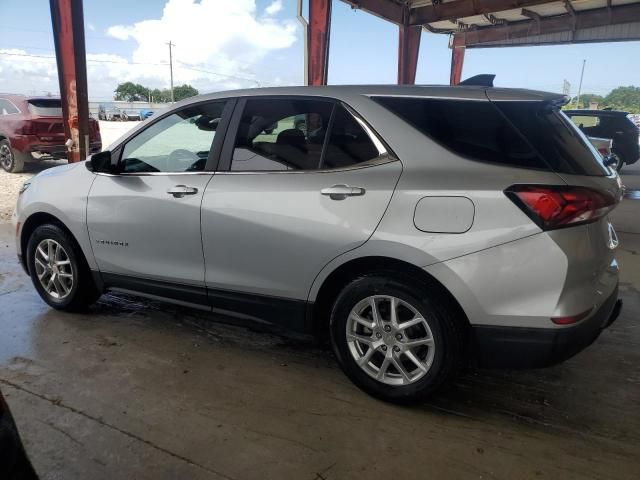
178 143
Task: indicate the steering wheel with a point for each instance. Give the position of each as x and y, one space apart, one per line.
181 160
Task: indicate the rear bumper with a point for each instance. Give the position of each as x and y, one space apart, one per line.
33 144
515 347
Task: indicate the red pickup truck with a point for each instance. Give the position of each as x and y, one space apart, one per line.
32 128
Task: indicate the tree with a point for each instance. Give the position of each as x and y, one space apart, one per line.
624 98
184 91
131 92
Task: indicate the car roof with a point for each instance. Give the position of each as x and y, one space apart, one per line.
430 91
596 112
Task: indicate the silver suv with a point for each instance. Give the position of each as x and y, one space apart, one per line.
420 228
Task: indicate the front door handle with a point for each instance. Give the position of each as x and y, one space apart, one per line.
340 192
180 191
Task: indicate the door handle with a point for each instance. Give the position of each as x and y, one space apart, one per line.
180 191
340 192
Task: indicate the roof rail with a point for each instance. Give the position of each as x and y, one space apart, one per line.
482 80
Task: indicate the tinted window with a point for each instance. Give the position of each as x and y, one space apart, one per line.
46 107
7 108
348 144
555 137
177 143
585 120
281 134
474 129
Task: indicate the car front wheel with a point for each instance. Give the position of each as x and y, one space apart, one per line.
58 269
393 340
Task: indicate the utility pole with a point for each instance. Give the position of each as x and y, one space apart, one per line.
171 68
580 86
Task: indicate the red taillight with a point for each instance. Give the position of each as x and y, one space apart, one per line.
568 320
553 206
603 151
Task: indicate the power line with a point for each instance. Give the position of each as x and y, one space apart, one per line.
95 60
233 77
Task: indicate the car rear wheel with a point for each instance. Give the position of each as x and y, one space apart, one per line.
393 340
58 269
11 160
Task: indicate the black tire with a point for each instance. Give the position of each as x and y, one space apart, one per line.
447 335
11 160
83 292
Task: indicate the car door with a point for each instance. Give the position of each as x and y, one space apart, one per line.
301 181
144 222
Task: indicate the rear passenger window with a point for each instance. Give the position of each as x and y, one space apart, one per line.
474 129
7 108
291 134
282 134
349 144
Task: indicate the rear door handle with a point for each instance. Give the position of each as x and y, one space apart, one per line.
340 192
180 191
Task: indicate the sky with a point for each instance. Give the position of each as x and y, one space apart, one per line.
225 44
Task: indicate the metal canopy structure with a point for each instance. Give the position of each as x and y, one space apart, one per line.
502 23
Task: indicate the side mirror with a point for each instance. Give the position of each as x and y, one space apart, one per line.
101 163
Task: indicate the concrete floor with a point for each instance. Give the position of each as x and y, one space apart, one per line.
144 390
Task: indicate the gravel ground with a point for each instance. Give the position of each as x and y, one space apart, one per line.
10 182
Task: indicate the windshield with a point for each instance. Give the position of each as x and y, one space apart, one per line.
46 107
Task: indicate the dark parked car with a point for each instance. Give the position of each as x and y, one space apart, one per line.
611 124
34 125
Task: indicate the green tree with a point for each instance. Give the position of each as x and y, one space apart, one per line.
131 92
624 98
184 91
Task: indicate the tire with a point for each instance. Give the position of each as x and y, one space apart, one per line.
73 294
11 160
440 360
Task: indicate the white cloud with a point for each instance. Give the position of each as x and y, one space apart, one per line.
274 8
91 27
230 38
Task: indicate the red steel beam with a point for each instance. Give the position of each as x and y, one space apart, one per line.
457 61
458 9
67 20
408 49
560 23
319 33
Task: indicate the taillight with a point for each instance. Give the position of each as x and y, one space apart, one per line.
552 206
603 151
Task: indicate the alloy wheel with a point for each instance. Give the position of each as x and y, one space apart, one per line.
54 269
6 157
390 340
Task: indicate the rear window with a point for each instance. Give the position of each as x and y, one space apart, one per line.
45 107
473 129
518 134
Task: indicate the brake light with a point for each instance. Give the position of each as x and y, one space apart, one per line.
568 320
551 206
603 151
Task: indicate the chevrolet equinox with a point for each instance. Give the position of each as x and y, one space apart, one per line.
419 227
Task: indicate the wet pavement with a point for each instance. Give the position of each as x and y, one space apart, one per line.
147 390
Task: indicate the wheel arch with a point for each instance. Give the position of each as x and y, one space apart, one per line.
34 221
333 284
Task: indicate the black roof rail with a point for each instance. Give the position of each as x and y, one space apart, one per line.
482 80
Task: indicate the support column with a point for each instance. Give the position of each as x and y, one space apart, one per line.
318 34
457 60
408 49
67 20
